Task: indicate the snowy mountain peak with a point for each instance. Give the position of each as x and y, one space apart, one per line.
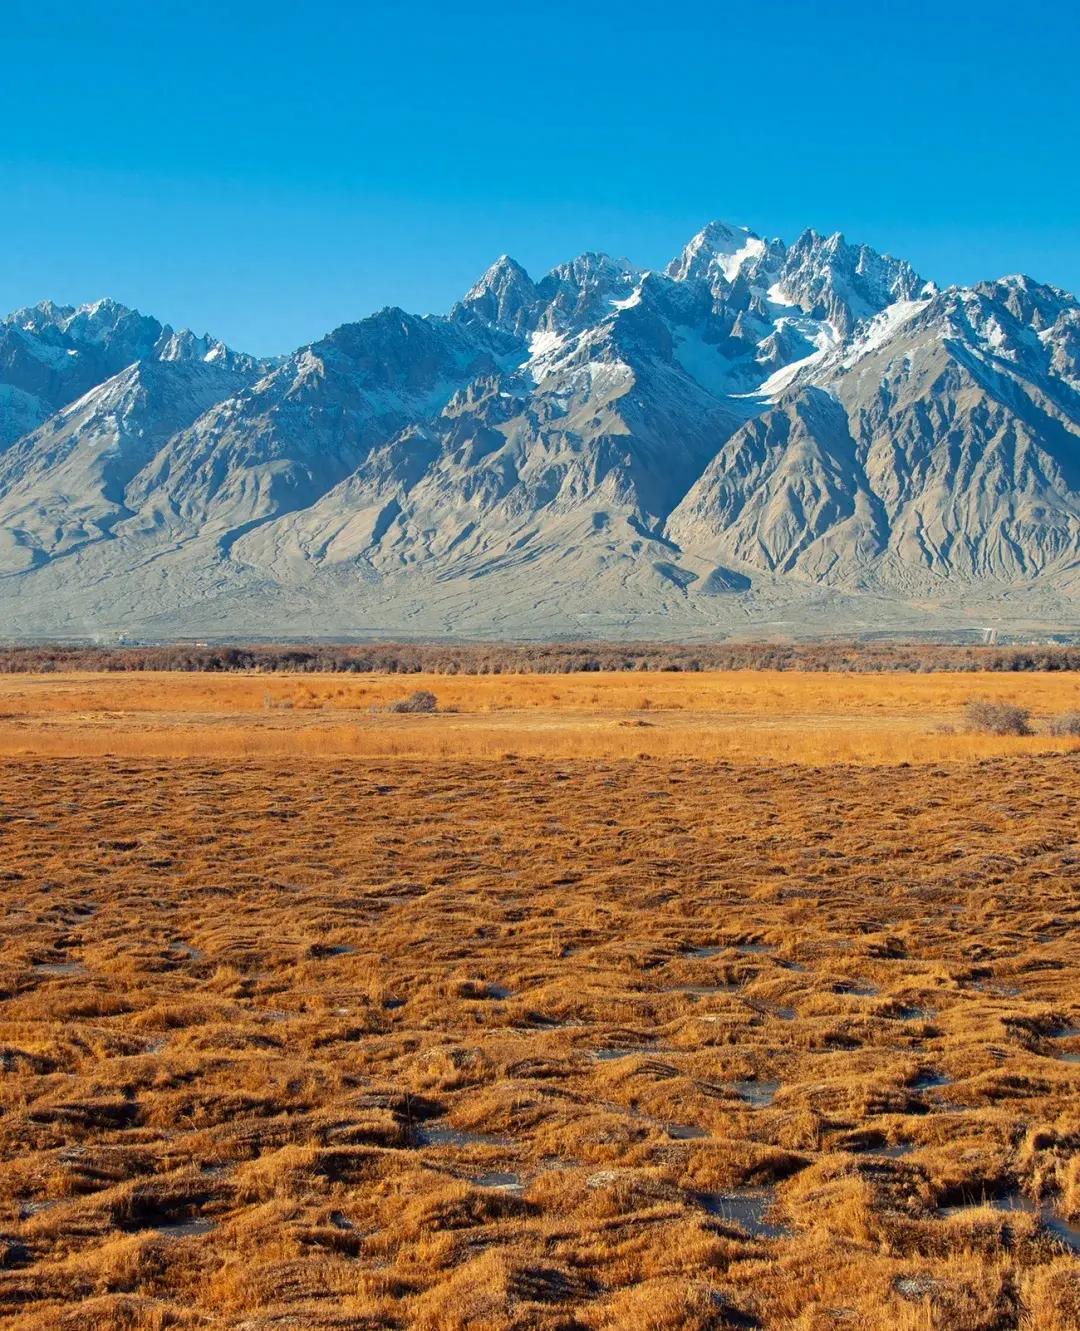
50 355
717 254
1036 304
107 322
44 314
581 292
594 266
184 345
844 284
504 297
504 272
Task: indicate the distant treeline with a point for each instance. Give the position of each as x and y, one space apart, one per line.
545 658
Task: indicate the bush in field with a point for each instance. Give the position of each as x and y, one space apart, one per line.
1069 724
998 718
544 658
420 701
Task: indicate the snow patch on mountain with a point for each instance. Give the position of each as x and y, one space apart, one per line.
762 431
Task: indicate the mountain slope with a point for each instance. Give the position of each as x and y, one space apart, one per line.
50 355
804 436
63 485
281 444
951 442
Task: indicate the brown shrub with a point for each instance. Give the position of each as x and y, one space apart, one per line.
1069 724
422 700
542 658
998 718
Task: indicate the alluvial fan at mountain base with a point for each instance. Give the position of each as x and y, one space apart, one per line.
762 437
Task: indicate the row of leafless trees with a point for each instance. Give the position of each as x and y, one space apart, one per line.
545 658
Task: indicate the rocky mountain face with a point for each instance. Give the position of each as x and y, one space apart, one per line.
68 483
52 354
804 437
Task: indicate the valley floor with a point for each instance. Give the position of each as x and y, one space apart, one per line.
544 1019
746 715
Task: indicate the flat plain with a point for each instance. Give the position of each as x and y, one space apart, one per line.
643 1001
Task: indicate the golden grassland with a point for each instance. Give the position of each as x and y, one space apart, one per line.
537 1038
743 715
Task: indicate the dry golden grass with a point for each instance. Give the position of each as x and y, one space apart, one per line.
734 691
739 715
353 1020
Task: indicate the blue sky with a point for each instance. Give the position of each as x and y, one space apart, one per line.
270 171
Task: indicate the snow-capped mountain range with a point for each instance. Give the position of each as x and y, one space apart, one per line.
762 437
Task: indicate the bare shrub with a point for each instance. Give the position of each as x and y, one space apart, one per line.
998 718
423 700
540 658
1067 724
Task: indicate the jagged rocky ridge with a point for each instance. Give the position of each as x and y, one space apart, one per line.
803 437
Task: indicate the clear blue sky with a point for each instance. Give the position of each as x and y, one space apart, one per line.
269 171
